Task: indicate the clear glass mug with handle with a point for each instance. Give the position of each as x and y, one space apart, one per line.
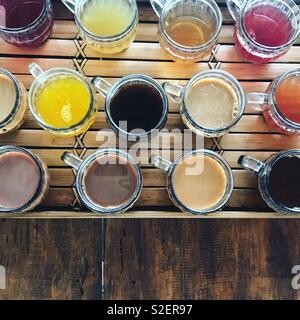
26 23
190 112
200 182
24 180
265 29
284 117
14 104
109 181
188 30
110 92
43 80
278 180
109 27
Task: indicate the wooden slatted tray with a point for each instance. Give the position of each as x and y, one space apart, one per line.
65 49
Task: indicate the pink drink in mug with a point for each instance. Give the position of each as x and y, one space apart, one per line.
265 30
26 23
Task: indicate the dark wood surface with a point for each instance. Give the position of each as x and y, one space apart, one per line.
149 259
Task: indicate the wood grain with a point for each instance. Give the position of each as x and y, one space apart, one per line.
51 259
143 260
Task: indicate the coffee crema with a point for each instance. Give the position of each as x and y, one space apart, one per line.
110 181
212 103
284 181
199 182
139 104
20 177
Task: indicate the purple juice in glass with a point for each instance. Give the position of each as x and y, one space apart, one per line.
26 23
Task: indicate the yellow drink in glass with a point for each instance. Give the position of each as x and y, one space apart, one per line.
109 26
106 18
63 102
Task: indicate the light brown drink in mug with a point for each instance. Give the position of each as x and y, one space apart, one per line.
199 182
190 31
8 96
212 103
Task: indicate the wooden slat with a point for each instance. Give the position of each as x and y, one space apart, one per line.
233 156
56 48
94 139
259 142
36 138
22 66
228 53
153 69
245 71
64 30
153 215
59 197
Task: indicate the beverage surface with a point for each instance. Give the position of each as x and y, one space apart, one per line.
8 97
62 101
106 18
284 181
110 181
199 182
268 26
287 97
190 31
19 14
212 103
19 176
138 103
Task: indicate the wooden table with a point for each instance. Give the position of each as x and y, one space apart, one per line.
148 258
65 49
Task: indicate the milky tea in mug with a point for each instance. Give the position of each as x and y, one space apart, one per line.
13 102
211 103
200 182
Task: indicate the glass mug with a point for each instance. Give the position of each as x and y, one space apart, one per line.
13 102
62 101
281 103
278 180
108 181
265 29
24 180
188 30
136 106
202 99
26 23
109 27
190 193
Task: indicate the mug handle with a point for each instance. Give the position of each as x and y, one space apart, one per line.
251 164
157 6
70 4
260 99
161 163
235 7
35 70
174 90
71 160
101 85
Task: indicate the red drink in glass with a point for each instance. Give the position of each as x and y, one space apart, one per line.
286 96
265 29
25 23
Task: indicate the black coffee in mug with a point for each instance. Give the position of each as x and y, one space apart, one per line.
284 181
138 103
